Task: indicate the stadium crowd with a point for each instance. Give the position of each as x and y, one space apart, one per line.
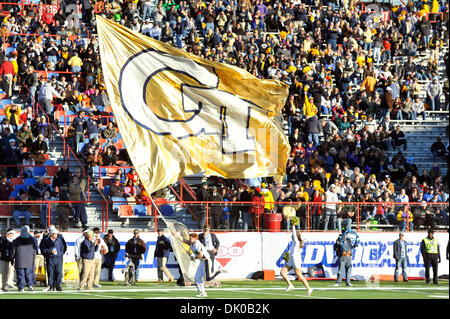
349 77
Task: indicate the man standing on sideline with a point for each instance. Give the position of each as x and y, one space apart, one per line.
53 247
98 256
161 254
78 260
344 246
211 242
429 249
110 257
6 269
401 257
23 253
39 264
135 248
87 253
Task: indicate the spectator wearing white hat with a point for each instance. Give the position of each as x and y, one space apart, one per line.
6 267
53 247
98 256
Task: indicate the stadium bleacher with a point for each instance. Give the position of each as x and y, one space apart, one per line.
420 134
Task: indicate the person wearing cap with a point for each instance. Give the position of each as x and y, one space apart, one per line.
430 250
257 208
7 270
98 256
331 199
92 127
88 247
400 254
113 250
162 251
215 210
23 253
53 248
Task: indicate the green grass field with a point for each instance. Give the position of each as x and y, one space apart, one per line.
247 289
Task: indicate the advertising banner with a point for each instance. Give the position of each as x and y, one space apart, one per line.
242 254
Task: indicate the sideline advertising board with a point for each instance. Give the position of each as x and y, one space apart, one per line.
242 254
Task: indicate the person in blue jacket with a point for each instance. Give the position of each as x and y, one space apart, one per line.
53 247
88 247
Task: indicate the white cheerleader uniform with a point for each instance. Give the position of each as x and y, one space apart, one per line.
295 259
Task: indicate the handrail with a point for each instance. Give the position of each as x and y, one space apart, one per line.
182 202
259 209
188 188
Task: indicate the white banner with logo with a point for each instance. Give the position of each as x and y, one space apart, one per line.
242 254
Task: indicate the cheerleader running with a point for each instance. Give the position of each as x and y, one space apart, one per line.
294 262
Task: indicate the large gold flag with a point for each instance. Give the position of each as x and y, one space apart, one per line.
181 115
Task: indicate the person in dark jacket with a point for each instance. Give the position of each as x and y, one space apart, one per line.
6 269
401 256
215 210
53 248
313 129
23 252
88 247
161 254
211 242
62 176
111 256
135 248
202 195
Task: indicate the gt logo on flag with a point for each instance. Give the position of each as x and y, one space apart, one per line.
181 98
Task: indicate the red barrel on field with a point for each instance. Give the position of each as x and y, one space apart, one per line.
272 222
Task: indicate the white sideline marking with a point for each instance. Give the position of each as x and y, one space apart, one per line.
249 289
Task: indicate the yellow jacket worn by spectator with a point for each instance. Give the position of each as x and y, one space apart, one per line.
75 61
369 84
268 198
16 113
309 108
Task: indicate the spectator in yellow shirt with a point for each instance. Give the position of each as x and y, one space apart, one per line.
75 63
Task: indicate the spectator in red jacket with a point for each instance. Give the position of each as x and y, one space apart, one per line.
7 73
258 207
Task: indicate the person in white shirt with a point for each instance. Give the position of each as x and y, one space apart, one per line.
294 262
200 252
45 97
78 242
98 256
330 209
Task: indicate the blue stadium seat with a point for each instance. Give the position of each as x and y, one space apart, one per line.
39 171
166 210
29 181
106 190
49 163
20 187
118 201
80 146
140 210
9 50
5 102
14 194
103 172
